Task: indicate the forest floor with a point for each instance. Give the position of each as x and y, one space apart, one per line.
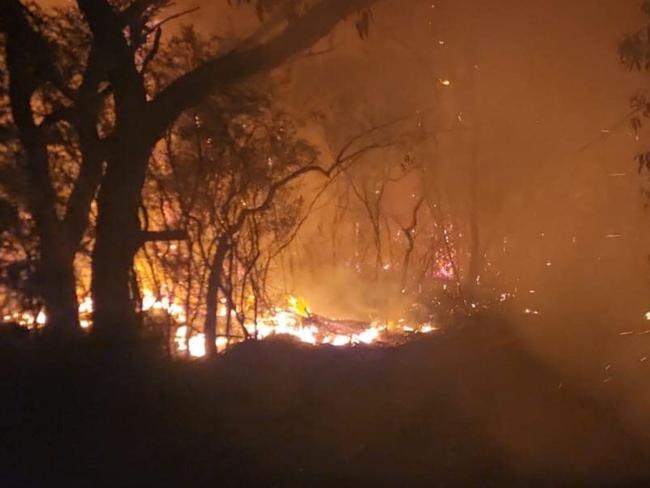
467 407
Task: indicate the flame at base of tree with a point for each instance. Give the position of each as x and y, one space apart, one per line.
295 321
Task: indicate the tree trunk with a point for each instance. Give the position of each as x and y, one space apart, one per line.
58 289
118 237
212 299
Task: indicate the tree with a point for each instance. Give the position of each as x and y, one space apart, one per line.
227 167
140 122
109 89
40 53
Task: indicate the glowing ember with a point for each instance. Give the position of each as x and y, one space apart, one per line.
86 306
41 318
197 345
368 336
340 340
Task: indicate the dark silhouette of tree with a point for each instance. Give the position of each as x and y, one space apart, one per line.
46 108
85 72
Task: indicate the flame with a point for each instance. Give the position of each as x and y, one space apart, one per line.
299 306
295 321
86 306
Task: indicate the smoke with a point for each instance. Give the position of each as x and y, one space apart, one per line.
561 210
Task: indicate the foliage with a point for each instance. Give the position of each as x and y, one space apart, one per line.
85 108
217 161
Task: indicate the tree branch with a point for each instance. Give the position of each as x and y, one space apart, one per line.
15 24
164 235
191 88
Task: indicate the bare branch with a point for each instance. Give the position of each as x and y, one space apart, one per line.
173 17
190 89
153 51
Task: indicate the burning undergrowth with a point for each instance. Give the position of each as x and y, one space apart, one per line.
298 322
165 317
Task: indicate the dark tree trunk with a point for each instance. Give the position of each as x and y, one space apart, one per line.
56 280
118 237
212 299
58 289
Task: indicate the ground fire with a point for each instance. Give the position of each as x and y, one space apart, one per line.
294 320
305 243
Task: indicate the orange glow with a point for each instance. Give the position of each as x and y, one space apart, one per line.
295 321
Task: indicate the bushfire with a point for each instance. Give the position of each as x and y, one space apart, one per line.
294 320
